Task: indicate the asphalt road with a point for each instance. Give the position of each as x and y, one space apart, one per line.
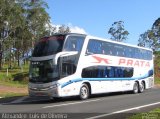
114 105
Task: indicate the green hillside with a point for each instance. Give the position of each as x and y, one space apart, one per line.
157 68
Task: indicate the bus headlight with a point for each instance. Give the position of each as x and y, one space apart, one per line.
55 85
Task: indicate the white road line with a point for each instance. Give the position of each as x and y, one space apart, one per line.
122 111
70 103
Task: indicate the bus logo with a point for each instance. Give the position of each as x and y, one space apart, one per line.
123 61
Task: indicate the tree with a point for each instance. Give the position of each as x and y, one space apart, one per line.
64 29
5 15
37 18
151 38
117 31
143 40
154 35
156 28
27 20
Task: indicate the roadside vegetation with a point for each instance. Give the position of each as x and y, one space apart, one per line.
154 114
157 68
13 81
15 76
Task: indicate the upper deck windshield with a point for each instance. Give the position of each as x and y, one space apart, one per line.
74 43
49 46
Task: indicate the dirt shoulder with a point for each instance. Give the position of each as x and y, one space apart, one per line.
157 85
9 94
9 89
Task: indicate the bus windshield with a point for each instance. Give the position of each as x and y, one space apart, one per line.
49 46
43 71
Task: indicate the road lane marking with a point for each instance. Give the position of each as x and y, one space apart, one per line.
122 111
51 106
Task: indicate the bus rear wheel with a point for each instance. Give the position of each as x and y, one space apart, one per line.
141 87
84 92
135 88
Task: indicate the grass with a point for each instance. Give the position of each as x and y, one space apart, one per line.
15 77
154 114
13 84
7 95
157 80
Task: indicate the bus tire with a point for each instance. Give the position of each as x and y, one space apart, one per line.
135 88
141 87
84 92
57 99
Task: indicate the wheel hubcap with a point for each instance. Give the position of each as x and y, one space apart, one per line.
142 87
84 92
136 88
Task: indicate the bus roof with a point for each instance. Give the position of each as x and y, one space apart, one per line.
104 39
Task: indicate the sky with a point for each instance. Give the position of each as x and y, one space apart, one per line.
95 17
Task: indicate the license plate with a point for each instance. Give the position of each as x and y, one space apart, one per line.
40 94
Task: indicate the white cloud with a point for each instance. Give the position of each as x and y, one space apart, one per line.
76 29
73 29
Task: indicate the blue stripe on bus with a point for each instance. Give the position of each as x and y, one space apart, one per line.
101 79
71 81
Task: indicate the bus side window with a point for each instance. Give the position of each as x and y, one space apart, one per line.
128 72
94 47
113 50
89 48
126 53
111 72
118 72
105 72
105 49
102 72
149 55
150 72
130 53
99 73
133 52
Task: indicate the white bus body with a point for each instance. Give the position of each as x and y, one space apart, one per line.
88 65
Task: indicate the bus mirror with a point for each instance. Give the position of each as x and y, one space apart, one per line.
69 53
64 54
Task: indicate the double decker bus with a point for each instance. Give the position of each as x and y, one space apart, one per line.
81 65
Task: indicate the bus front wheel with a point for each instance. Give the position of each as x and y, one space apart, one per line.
84 92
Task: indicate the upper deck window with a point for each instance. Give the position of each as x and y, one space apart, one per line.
115 49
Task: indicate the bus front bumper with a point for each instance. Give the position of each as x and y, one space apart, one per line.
49 92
